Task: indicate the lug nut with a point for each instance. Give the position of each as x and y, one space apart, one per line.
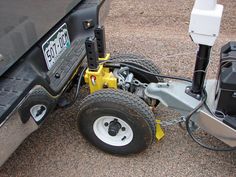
123 128
57 75
106 124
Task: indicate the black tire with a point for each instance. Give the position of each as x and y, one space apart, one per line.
126 108
143 63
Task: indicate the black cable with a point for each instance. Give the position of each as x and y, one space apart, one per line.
77 88
118 64
188 117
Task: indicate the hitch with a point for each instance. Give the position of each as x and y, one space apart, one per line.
97 76
101 41
138 90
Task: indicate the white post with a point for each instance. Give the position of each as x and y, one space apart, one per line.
205 4
205 22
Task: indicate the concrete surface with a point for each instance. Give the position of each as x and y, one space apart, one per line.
156 29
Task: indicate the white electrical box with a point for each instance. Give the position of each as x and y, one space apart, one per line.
205 22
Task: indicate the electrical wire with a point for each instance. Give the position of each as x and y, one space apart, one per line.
77 88
143 70
188 119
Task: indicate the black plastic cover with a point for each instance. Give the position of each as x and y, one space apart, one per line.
226 92
228 66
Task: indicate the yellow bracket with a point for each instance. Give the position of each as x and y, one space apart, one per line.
101 78
106 58
159 132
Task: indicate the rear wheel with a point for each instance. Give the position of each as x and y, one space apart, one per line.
143 63
116 121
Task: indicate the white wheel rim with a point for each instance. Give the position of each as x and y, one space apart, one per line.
123 137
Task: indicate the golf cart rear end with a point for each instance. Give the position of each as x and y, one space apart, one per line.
41 52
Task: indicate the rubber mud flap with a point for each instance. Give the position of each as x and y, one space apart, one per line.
37 97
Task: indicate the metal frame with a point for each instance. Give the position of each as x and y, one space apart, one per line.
174 96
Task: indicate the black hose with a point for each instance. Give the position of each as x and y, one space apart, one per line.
143 70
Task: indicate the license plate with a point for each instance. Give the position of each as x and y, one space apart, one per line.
56 45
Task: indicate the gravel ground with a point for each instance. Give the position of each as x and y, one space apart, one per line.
156 29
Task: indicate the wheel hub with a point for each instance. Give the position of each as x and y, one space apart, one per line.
114 127
113 131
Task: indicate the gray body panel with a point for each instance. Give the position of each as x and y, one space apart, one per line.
24 22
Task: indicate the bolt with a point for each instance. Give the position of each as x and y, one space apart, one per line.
187 88
198 96
105 85
123 138
234 95
123 128
106 124
1 57
57 75
88 24
93 79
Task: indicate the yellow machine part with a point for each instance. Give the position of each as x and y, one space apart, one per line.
159 132
106 58
100 79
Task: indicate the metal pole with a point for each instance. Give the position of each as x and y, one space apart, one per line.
199 74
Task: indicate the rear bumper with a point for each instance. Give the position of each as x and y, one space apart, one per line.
12 133
20 123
